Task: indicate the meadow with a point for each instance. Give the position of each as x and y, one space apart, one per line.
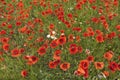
59 39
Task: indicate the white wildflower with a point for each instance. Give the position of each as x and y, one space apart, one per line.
48 36
53 32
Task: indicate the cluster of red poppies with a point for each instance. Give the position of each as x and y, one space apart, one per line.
18 31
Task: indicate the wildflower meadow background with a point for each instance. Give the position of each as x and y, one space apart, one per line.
59 40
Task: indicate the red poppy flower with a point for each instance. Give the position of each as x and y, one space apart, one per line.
105 25
91 1
65 66
57 62
118 27
15 52
18 23
20 4
24 73
52 65
106 73
108 55
77 38
51 26
98 32
32 60
90 58
54 44
2 32
94 7
96 20
119 66
5 47
41 51
62 31
83 1
78 29
70 38
99 65
84 64
62 40
22 50
73 49
89 29
3 23
102 18
79 72
111 35
9 26
78 6
113 66
86 34
45 45
100 38
23 29
86 75
4 40
70 15
80 49
110 16
1 53
57 55
116 2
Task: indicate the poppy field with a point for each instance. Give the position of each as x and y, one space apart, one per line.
59 40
